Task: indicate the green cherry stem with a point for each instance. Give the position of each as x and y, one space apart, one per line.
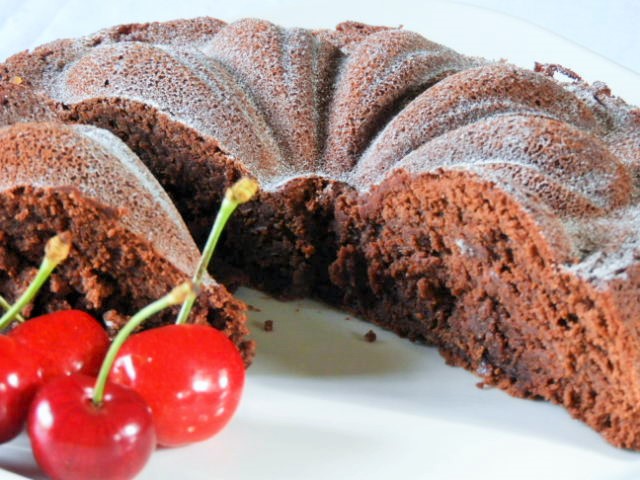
55 251
176 296
6 305
239 193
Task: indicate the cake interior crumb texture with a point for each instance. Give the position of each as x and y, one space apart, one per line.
489 210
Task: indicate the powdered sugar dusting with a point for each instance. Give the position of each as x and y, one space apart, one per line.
466 97
610 245
280 68
102 167
357 103
208 100
150 206
377 74
567 156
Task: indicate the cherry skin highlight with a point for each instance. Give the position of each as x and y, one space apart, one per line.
191 376
72 438
20 378
66 342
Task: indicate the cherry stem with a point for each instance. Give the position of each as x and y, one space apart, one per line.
176 296
6 305
55 251
240 192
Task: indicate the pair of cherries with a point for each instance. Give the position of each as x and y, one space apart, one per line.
99 408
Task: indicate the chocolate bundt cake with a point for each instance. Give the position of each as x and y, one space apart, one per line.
130 245
487 209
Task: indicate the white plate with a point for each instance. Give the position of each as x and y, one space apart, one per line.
321 402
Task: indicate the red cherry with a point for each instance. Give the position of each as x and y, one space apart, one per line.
190 375
20 377
73 438
68 341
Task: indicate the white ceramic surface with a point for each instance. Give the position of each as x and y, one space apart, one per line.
320 402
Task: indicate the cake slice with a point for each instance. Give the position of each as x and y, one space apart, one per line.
130 246
519 261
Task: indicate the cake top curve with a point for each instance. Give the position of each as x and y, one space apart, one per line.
97 164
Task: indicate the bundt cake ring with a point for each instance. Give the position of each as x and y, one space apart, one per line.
489 210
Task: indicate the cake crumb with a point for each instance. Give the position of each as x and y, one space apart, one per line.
370 336
268 326
253 308
484 386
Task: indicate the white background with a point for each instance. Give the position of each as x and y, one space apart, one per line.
607 27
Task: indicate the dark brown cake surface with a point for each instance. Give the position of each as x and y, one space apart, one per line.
487 209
